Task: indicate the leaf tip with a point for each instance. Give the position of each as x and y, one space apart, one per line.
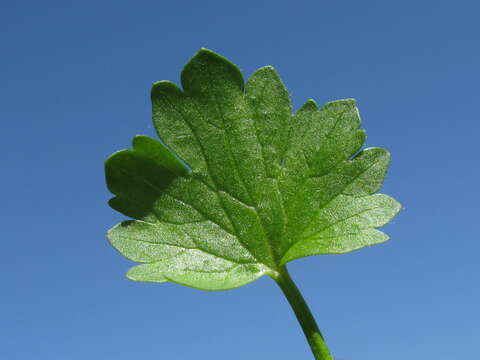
267 73
145 273
139 139
309 106
163 87
207 66
374 152
203 55
130 275
205 51
349 102
268 69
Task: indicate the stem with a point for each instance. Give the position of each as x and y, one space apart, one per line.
305 318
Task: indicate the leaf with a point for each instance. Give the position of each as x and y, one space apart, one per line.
238 185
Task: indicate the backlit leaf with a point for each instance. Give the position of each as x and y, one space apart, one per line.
238 186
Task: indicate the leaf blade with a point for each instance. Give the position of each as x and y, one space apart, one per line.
347 224
238 185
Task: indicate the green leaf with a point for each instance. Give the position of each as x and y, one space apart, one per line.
238 185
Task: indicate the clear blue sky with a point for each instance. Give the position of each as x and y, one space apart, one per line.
75 87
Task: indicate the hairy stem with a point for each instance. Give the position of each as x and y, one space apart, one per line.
304 315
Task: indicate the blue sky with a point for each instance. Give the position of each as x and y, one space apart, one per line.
75 88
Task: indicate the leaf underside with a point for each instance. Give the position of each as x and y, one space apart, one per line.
238 185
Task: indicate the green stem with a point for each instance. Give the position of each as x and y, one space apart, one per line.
304 315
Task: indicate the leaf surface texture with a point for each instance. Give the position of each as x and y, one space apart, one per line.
238 186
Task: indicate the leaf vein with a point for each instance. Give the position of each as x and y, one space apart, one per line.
207 168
